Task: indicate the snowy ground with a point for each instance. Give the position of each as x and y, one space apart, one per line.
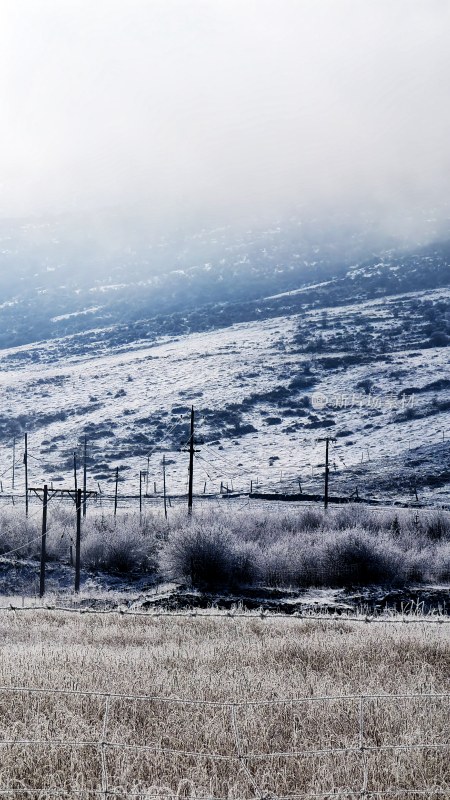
134 406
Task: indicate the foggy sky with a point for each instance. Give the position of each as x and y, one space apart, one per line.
224 105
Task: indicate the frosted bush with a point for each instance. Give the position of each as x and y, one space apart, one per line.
23 535
205 554
119 547
437 525
294 561
354 557
202 556
442 563
353 516
236 548
311 519
16 530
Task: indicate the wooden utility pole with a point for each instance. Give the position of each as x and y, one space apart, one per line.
327 440
148 471
164 486
191 450
45 495
78 542
14 464
191 463
116 491
77 496
43 542
75 471
140 493
25 461
84 475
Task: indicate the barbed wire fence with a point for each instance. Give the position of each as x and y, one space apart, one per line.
410 615
358 727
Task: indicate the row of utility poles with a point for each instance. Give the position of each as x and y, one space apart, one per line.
143 477
144 474
80 495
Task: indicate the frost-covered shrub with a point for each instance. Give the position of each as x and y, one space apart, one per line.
230 548
247 566
122 548
352 557
23 535
207 555
310 519
353 516
340 558
16 530
202 556
294 562
418 564
437 526
442 563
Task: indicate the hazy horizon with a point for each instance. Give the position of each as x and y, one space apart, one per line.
221 110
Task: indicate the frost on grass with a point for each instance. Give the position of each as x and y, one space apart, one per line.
276 671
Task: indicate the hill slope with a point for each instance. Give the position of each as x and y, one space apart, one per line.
358 356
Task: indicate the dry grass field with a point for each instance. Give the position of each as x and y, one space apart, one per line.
222 707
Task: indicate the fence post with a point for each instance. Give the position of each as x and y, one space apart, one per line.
365 776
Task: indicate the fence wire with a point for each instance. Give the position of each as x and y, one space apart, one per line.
407 617
241 758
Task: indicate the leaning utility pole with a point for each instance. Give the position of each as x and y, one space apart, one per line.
327 440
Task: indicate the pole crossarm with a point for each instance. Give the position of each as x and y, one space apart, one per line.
59 493
38 492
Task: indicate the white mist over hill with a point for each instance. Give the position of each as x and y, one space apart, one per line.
225 109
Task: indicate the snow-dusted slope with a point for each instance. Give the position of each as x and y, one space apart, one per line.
374 374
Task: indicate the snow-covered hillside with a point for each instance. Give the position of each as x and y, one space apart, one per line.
374 374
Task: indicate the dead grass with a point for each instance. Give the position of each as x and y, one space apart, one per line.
227 661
